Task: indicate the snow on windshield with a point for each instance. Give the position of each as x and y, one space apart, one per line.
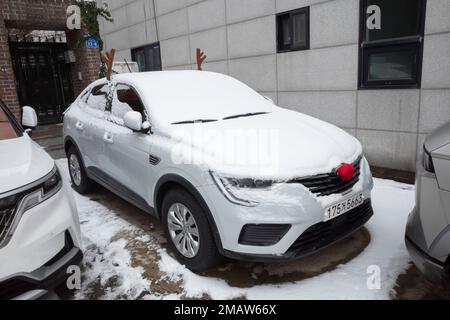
177 96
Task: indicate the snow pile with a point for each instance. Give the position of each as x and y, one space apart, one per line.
107 273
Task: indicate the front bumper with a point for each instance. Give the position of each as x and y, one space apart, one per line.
427 233
292 205
317 237
33 285
433 270
45 240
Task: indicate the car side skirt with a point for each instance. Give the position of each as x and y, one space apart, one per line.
119 189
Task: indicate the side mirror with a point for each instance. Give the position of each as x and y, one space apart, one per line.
29 118
133 120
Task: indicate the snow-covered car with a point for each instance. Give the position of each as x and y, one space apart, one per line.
428 229
39 226
283 186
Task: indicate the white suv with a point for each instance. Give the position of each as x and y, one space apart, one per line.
39 226
227 171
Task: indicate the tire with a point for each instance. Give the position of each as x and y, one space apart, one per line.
80 181
207 255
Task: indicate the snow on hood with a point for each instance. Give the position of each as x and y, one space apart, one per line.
22 161
282 144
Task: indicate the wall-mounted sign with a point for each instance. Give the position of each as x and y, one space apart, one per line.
70 57
92 43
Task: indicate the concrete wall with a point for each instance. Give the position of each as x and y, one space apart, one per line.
239 37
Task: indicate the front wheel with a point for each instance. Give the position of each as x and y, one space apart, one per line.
80 181
188 229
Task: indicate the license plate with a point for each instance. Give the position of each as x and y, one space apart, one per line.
342 207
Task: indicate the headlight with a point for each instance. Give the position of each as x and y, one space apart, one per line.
48 188
427 161
13 206
232 188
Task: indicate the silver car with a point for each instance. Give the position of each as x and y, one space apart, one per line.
428 227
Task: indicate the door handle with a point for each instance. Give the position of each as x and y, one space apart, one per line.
79 125
108 137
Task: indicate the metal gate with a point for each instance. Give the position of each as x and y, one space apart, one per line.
43 78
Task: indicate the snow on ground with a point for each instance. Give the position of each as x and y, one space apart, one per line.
107 258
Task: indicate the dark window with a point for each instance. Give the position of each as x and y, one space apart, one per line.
127 100
391 43
293 30
98 99
148 58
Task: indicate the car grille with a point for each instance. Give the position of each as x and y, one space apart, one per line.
325 233
331 183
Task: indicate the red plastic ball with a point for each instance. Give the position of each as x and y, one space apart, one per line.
346 172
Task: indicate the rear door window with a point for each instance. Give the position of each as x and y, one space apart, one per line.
98 98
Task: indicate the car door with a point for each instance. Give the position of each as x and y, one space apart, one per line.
128 152
90 124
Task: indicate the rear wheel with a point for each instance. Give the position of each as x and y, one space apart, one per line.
80 181
188 231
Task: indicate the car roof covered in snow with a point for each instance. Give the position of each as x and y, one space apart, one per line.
175 96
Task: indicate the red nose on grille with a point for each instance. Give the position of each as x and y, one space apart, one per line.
346 172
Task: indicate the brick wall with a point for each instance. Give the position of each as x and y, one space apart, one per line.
41 15
7 82
88 62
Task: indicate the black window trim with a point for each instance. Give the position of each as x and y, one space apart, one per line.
382 45
291 13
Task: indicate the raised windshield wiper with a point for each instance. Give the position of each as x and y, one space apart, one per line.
196 121
245 115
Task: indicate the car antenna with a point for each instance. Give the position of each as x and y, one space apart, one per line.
128 66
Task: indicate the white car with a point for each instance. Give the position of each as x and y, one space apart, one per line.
39 226
228 172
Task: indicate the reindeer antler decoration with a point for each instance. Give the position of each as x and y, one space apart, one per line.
200 58
109 60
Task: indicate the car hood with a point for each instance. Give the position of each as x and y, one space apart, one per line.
438 138
283 144
22 161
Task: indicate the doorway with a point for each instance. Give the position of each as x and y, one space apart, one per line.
43 78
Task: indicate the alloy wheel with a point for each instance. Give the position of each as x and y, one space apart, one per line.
75 169
183 230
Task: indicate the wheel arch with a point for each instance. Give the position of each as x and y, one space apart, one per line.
169 182
70 142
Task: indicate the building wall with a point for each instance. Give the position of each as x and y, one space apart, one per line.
239 37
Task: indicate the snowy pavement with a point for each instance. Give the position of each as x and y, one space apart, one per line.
127 257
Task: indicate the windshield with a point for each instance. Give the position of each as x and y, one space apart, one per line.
202 97
7 128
